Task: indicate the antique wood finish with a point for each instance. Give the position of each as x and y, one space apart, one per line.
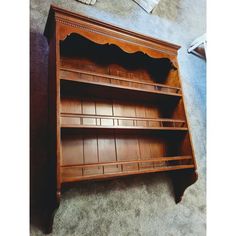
116 106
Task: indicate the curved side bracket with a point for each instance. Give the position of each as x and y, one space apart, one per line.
181 181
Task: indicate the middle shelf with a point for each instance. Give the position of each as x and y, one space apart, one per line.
102 121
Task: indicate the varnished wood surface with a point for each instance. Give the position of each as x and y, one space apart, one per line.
160 159
116 82
116 105
76 178
119 78
98 121
122 87
92 149
129 41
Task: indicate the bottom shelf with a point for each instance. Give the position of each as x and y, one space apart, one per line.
71 173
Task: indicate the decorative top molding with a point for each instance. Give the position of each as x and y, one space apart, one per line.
128 41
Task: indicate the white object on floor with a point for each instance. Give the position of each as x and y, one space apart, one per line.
89 2
197 42
147 5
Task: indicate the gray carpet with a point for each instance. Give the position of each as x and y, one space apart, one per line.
136 205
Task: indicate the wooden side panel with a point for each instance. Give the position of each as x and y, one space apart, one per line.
53 190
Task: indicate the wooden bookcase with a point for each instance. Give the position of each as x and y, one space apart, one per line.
116 105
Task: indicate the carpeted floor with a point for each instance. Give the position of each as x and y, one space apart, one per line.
136 205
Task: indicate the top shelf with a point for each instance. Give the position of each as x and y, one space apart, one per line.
94 78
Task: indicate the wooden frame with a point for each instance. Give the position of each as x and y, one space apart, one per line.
116 105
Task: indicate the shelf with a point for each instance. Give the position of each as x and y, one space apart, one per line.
154 160
116 106
80 172
107 122
88 77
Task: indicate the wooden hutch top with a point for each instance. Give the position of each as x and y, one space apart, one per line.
129 41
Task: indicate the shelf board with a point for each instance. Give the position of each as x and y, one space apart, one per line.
123 127
67 177
110 175
111 81
154 160
115 122
119 78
